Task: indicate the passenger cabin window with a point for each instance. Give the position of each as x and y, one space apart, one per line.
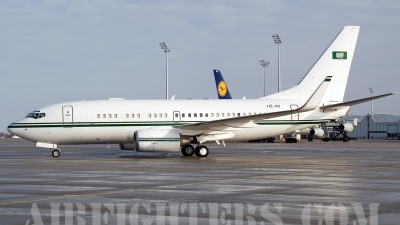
206 114
238 115
195 114
201 114
109 115
189 115
36 115
216 114
149 115
155 115
115 116
222 114
183 114
127 116
160 115
228 115
138 115
212 114
104 115
176 115
165 115
98 116
133 115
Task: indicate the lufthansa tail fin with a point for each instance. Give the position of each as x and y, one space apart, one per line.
222 88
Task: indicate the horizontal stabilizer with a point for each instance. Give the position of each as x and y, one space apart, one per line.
355 102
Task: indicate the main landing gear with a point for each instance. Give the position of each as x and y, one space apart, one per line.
56 153
187 150
199 151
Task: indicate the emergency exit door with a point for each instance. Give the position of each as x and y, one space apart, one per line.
177 116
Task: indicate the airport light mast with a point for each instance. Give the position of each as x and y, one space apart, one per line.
278 41
372 101
264 64
164 46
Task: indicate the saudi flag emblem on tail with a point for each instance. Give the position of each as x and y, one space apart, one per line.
339 55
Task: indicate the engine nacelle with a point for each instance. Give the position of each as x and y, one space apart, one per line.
156 140
346 127
125 146
317 132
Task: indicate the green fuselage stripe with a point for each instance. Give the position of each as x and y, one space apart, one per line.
159 139
147 124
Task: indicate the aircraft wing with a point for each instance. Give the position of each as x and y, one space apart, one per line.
247 121
354 102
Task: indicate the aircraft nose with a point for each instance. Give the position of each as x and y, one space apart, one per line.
10 129
13 130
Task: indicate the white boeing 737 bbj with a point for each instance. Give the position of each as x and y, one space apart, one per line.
170 125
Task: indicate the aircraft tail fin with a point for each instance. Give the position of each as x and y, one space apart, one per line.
335 62
222 88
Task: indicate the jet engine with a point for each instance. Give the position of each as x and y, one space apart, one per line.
317 132
158 140
346 127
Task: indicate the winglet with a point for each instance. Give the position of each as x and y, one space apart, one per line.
315 99
222 88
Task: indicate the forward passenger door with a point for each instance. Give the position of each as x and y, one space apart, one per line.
68 116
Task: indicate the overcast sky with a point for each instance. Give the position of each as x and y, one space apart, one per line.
59 51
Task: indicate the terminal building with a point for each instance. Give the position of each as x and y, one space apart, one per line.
377 126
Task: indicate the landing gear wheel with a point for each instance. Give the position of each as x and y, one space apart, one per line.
56 153
187 150
201 151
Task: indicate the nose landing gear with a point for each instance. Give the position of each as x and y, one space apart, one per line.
56 152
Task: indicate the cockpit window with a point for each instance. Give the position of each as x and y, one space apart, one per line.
36 115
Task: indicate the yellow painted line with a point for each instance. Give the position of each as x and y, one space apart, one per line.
26 201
